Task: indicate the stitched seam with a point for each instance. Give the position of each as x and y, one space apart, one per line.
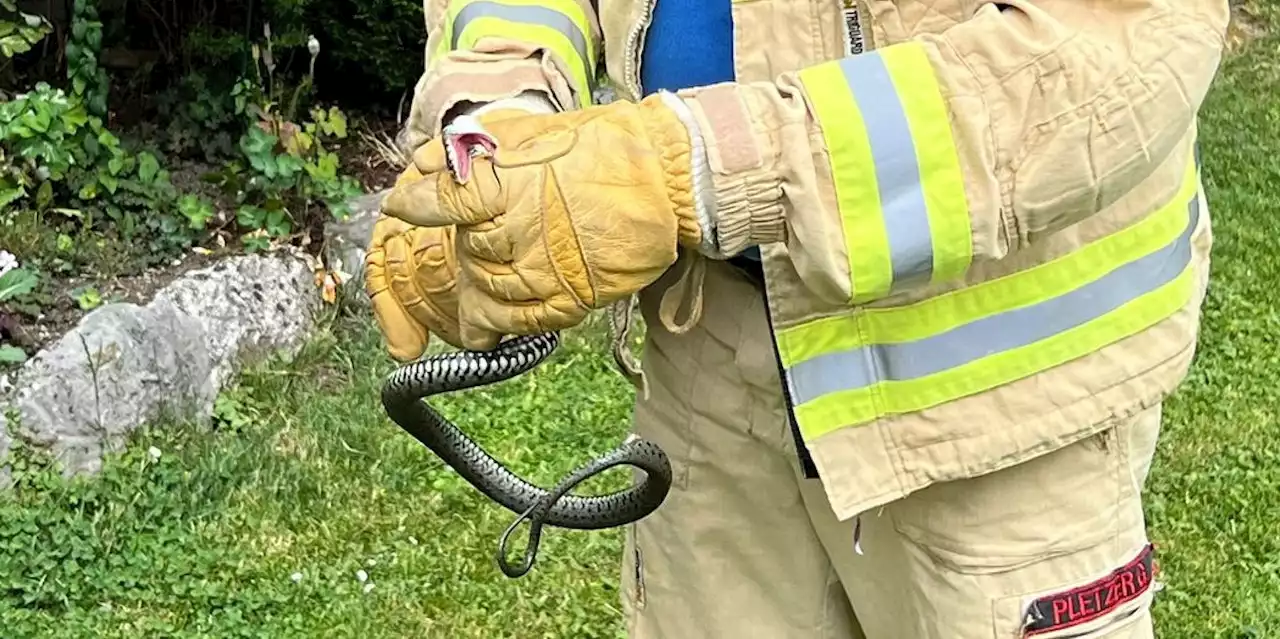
546 244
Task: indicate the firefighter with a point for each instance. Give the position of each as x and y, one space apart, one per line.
916 275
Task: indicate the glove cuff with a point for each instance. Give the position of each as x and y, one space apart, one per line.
674 143
704 189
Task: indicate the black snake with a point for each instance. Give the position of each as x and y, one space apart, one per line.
402 397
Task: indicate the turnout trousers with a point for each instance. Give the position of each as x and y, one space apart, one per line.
746 544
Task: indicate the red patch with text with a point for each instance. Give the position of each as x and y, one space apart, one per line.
1083 604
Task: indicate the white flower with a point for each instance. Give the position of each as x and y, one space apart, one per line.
7 262
154 453
313 46
367 588
362 576
296 577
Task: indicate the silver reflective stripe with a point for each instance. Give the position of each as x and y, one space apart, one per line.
893 152
526 14
862 367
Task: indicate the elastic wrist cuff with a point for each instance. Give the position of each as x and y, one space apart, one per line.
749 210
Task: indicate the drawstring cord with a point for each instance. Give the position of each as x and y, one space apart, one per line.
688 288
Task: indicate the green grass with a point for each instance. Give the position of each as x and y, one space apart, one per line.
1214 492
303 474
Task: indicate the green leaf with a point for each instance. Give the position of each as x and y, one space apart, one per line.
12 354
17 282
250 217
10 192
148 166
14 45
196 209
256 243
288 165
278 223
75 117
44 195
109 181
88 298
337 122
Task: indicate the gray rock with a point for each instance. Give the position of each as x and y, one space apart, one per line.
346 242
124 364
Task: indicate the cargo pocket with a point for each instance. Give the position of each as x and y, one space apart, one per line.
1115 605
1065 501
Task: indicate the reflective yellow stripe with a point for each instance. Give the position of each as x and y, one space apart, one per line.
851 369
857 196
943 183
850 408
948 311
899 189
558 25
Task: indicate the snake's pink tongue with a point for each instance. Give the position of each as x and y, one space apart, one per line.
463 147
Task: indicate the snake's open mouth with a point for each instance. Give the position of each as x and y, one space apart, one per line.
465 139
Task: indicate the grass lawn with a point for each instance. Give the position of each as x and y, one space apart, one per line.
263 526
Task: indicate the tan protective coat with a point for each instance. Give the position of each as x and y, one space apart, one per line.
1073 118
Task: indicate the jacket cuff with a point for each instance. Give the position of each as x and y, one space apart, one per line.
745 184
458 86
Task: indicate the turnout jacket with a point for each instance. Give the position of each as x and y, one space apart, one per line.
982 226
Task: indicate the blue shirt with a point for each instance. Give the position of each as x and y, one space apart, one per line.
689 44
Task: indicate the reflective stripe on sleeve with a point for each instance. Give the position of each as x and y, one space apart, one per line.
896 172
558 25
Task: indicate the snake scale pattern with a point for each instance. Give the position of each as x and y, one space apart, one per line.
403 396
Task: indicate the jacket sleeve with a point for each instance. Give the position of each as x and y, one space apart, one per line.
916 161
481 51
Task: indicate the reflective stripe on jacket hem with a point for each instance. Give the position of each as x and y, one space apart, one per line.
870 362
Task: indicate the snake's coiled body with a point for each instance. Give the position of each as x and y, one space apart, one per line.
402 396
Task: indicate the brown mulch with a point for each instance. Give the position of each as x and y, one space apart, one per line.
63 312
361 158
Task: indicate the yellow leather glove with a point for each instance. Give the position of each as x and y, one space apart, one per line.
573 212
410 277
411 272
